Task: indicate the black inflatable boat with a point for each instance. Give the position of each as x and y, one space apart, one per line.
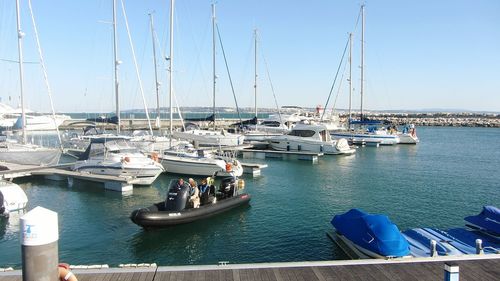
177 210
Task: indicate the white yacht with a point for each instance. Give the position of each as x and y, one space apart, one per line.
108 156
310 138
210 138
186 160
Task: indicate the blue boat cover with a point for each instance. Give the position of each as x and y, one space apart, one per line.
491 245
375 233
488 220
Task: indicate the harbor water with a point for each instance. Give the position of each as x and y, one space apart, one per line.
450 174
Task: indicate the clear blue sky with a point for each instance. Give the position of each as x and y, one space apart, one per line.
418 54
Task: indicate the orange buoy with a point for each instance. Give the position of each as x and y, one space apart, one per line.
65 274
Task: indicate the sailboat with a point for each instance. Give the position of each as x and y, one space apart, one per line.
211 137
24 153
185 160
367 130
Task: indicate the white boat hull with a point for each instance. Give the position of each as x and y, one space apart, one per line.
408 139
140 175
381 139
210 138
287 143
191 165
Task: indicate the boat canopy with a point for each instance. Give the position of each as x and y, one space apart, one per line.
375 233
208 118
488 219
253 121
369 122
103 119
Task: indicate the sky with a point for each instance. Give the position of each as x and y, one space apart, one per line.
420 54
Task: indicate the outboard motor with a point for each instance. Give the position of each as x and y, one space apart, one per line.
227 186
177 196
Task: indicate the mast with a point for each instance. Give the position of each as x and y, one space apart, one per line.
255 81
170 66
213 58
362 55
116 63
350 77
20 36
157 85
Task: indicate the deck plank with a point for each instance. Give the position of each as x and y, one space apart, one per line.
470 270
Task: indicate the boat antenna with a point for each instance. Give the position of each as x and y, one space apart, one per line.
20 35
44 69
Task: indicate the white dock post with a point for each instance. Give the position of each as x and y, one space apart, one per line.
434 252
451 272
39 245
479 247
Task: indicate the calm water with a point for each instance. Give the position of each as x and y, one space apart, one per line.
452 173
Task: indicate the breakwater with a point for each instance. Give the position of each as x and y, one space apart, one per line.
439 119
489 120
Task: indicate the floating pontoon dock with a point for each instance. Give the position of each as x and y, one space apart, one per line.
61 172
471 268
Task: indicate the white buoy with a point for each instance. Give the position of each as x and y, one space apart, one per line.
39 243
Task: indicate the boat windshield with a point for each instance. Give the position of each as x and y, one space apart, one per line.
302 133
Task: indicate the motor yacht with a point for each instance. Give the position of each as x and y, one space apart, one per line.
310 138
117 158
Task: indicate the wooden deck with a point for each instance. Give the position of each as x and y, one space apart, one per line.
471 268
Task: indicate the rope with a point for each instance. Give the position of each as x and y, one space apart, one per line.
136 68
45 76
228 73
335 80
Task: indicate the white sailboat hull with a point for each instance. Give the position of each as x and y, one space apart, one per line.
29 155
382 139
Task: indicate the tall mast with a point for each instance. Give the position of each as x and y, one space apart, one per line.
170 86
20 36
213 58
255 81
117 63
362 55
350 77
157 85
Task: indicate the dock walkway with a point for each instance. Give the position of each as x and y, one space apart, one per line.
476 267
61 172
